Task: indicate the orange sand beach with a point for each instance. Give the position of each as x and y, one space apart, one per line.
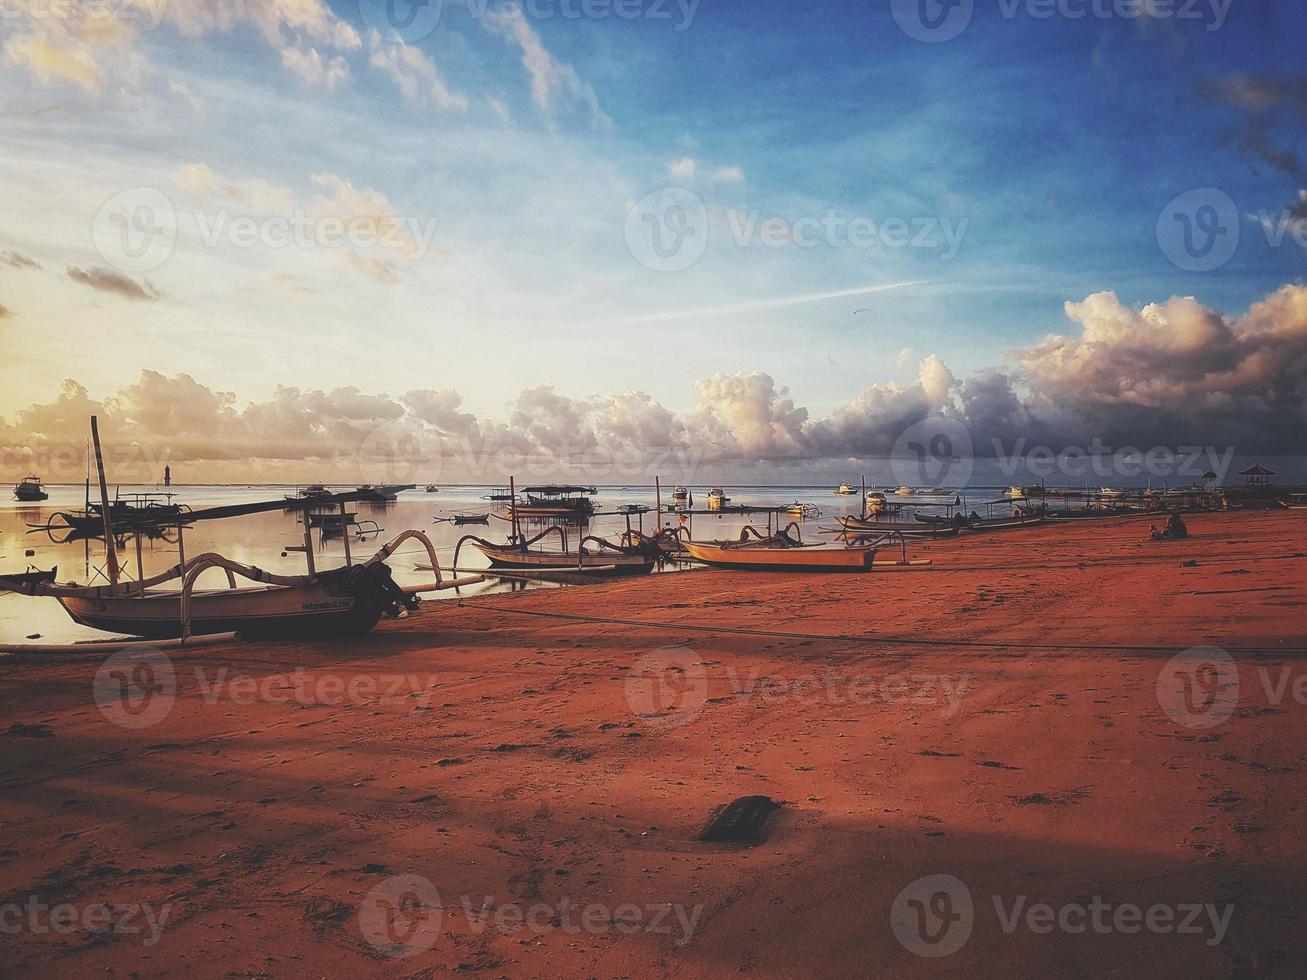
1061 750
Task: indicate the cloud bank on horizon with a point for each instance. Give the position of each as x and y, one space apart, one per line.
1171 374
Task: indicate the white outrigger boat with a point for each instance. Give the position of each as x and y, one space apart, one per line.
348 599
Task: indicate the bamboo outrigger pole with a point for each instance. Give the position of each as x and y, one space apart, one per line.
104 505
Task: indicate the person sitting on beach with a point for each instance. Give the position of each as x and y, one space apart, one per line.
1175 528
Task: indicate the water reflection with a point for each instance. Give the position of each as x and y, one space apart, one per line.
275 540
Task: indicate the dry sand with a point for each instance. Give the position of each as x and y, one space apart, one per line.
1017 743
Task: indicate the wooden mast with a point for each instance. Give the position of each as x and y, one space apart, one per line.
104 505
512 504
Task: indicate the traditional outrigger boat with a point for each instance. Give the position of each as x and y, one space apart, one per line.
383 493
349 599
630 556
784 551
634 553
314 491
866 525
30 489
980 523
146 512
554 501
460 519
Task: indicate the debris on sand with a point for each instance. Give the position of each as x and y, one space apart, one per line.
742 821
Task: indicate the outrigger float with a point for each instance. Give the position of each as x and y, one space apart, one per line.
349 599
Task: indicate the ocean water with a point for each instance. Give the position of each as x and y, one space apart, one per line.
262 539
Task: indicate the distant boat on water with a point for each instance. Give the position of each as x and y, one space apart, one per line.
30 489
846 489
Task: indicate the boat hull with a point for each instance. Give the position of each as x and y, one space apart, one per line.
858 526
782 559
261 611
562 561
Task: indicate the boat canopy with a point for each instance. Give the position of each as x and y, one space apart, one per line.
559 490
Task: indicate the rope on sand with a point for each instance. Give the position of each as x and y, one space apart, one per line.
896 640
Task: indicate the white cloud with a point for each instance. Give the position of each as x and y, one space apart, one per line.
310 65
683 170
552 82
415 75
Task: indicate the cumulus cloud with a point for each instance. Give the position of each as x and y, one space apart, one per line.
108 281
1168 374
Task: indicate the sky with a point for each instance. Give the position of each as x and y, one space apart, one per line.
258 236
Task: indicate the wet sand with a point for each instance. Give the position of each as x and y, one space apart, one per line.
996 718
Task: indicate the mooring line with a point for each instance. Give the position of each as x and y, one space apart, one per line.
893 640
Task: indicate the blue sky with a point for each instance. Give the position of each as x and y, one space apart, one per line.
1051 145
